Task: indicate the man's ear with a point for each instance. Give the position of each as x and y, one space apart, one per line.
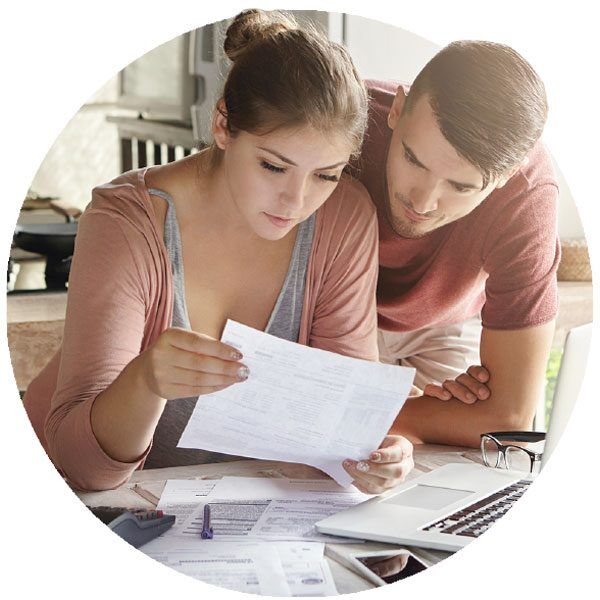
397 106
220 130
504 178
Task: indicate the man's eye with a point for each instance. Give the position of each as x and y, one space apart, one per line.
460 189
266 165
411 159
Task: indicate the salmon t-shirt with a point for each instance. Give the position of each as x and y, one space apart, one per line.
499 261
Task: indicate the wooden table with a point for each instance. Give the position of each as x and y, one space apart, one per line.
145 487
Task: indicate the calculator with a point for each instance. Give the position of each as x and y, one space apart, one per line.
137 527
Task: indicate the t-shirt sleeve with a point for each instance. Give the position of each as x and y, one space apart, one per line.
521 256
104 329
345 315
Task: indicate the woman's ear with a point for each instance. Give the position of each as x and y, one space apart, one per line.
220 131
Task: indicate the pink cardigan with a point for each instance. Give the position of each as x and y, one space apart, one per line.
120 299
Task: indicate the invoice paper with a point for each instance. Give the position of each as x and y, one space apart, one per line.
270 509
251 568
180 497
299 404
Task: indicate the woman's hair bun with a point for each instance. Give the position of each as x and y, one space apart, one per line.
251 26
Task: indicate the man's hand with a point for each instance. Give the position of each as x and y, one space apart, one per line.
468 387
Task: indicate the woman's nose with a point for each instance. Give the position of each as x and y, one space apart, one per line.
293 196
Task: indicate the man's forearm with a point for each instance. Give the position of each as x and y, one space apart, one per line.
516 361
428 420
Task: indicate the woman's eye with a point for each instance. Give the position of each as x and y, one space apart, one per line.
332 178
266 165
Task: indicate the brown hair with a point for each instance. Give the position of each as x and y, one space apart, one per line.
489 103
284 75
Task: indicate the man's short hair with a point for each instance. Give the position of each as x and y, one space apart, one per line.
489 103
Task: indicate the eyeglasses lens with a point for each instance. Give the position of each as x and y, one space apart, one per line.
491 455
517 459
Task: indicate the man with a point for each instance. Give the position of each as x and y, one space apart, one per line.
466 199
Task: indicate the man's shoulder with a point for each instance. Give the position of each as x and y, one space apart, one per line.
540 168
382 93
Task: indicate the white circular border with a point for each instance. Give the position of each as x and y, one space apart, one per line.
56 55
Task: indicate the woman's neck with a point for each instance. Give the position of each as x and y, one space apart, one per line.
215 203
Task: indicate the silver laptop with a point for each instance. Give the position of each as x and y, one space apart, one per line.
452 505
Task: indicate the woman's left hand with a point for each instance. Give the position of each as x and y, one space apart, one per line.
386 468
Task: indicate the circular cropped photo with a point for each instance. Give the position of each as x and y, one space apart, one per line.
298 318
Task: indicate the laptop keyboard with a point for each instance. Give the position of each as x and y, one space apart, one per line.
477 518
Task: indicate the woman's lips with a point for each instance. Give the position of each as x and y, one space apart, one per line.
279 221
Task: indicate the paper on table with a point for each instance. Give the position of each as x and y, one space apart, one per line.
231 487
268 568
299 404
276 509
306 570
253 568
181 496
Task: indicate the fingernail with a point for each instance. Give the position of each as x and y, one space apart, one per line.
483 393
242 373
447 395
376 456
471 397
236 355
481 377
362 466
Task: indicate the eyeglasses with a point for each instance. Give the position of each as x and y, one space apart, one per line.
515 456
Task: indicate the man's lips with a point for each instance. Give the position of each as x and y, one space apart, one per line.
413 216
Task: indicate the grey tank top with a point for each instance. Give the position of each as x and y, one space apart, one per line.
284 323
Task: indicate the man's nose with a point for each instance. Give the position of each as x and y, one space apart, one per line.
424 199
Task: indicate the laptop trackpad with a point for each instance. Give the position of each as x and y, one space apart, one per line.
428 496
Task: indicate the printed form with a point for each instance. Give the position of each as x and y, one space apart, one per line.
299 404
270 509
235 558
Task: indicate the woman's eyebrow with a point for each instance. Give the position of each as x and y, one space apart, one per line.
279 156
289 161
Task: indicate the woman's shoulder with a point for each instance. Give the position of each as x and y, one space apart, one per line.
124 192
349 205
124 201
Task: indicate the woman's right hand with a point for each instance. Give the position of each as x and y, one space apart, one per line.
184 363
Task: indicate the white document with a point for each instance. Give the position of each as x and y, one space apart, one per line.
230 487
299 404
306 570
271 509
278 568
181 496
254 568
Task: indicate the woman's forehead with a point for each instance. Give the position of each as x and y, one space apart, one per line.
305 143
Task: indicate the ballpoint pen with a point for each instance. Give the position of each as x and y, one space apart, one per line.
207 530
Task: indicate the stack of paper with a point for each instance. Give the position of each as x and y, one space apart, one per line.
264 544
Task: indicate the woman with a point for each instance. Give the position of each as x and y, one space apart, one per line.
166 255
